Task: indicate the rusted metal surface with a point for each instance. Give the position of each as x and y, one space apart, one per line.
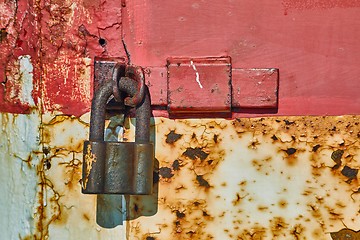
62 211
264 178
47 51
136 73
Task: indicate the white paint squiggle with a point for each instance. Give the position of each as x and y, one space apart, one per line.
196 73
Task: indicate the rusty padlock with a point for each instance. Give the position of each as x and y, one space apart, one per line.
118 167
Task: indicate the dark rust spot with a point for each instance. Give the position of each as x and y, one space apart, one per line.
345 234
172 137
46 150
180 214
336 155
3 34
202 181
350 173
150 238
274 138
290 151
165 172
216 138
287 122
47 164
316 147
176 165
194 153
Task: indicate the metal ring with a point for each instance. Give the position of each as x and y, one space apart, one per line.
118 69
136 73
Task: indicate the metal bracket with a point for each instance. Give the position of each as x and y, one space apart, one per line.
201 87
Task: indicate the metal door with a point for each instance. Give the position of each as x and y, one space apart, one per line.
285 170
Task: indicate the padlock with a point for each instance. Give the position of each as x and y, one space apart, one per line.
118 167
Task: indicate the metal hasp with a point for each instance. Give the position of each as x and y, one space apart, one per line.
119 167
210 86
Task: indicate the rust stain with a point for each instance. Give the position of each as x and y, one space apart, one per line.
172 137
195 153
165 172
336 156
270 168
218 187
59 173
89 158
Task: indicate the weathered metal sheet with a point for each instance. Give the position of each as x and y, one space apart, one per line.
68 214
264 178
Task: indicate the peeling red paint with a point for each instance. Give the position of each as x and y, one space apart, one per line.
18 37
73 33
312 50
62 38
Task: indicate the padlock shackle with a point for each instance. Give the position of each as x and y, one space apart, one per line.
143 109
98 105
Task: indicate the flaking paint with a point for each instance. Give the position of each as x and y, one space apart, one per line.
262 178
259 178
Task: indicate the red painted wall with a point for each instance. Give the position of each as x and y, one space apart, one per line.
313 43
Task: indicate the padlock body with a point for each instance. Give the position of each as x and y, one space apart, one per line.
125 168
143 168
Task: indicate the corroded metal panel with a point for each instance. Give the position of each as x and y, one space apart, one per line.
69 214
264 178
261 178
